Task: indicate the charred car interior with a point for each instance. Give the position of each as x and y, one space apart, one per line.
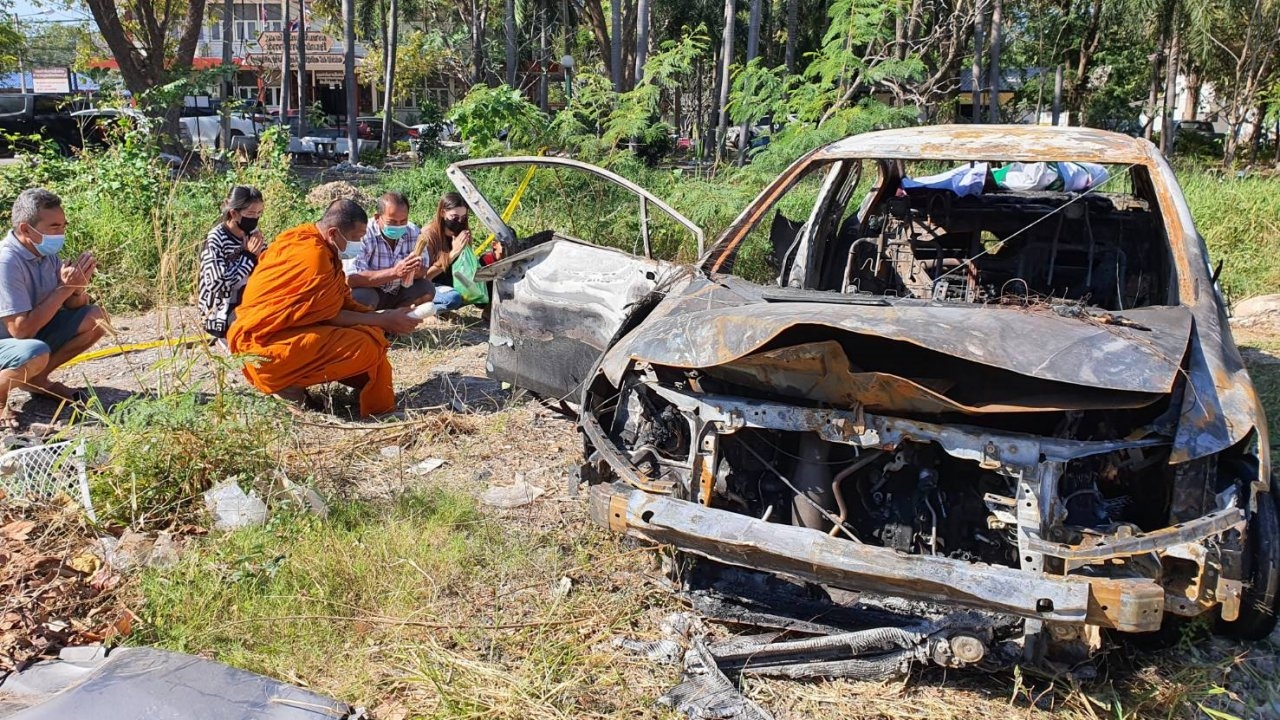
1006 388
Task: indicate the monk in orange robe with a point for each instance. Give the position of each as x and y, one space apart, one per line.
298 316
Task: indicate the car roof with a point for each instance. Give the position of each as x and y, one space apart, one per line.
1008 143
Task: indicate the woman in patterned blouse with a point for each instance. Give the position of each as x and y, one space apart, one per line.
229 256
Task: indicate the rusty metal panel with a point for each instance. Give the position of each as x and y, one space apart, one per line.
1130 605
1007 143
1143 357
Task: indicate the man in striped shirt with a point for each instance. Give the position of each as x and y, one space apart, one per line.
387 274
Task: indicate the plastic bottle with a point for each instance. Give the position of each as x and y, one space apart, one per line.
424 311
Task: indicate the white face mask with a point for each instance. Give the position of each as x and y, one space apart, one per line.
353 250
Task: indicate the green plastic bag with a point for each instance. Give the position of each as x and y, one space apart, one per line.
472 291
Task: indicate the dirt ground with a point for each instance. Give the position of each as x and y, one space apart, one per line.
440 373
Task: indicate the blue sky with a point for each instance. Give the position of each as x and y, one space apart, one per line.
30 12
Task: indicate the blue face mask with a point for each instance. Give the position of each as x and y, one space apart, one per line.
394 232
49 244
353 250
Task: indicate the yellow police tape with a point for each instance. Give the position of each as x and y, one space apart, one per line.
511 206
135 347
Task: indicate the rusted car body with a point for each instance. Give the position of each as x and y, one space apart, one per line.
1019 402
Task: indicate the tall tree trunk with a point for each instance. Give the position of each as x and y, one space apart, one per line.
726 60
615 43
479 16
286 69
388 101
793 26
543 57
1191 108
1153 92
993 75
975 70
303 85
642 38
349 72
753 47
509 28
1170 88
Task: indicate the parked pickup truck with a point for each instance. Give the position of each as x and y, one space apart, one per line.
45 115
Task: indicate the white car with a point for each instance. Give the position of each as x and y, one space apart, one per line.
206 130
93 124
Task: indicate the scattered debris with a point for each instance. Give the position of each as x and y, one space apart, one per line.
515 495
347 167
391 452
128 683
232 508
1260 310
322 195
300 495
707 692
54 590
562 588
427 466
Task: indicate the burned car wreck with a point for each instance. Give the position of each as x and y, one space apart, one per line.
1009 388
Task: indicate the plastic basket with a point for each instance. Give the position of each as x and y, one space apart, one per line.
43 472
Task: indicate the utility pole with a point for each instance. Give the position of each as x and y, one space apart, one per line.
303 84
285 67
349 63
228 30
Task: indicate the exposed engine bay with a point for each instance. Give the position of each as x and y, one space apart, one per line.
1012 402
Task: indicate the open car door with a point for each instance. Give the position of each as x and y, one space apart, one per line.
560 302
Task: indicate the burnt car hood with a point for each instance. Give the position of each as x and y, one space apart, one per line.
920 358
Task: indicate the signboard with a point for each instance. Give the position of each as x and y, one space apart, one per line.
331 78
319 62
51 80
272 43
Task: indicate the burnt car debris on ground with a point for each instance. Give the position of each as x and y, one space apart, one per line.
1008 390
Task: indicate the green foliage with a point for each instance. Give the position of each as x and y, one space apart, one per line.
760 92
155 456
489 115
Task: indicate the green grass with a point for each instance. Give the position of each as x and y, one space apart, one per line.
422 602
1240 221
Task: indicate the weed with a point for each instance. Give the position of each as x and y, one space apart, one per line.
422 599
156 454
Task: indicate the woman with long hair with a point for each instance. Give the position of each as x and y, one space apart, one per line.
444 238
229 255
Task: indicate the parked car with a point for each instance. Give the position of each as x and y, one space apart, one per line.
206 130
45 115
1021 404
95 126
370 128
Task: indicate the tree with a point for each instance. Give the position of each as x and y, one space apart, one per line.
994 78
393 36
52 45
141 39
726 62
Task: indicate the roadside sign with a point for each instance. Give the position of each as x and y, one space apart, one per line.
51 80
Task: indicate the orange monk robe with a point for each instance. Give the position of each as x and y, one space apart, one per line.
298 287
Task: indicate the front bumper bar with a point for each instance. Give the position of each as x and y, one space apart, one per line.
1129 605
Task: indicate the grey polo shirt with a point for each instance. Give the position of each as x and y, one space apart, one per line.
25 278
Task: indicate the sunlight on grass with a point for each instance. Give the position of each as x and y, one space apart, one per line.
422 600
